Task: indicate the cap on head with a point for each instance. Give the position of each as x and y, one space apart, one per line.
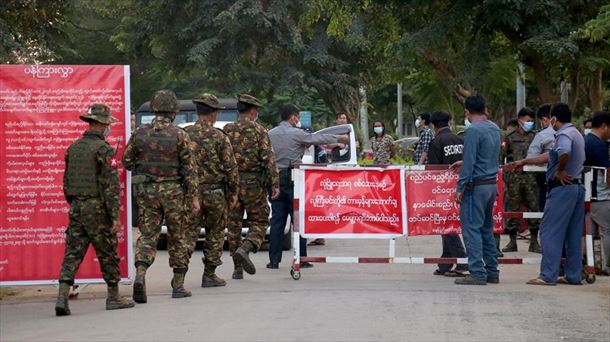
98 112
249 100
208 100
164 101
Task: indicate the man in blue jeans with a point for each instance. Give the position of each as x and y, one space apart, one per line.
476 193
564 212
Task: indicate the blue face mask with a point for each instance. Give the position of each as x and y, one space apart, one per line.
467 123
528 126
378 130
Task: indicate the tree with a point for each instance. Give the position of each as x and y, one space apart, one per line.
32 31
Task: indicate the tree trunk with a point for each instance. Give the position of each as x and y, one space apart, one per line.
596 94
545 89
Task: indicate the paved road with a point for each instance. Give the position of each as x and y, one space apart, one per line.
329 303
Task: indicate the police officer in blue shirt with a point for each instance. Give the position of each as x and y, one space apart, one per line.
564 211
476 192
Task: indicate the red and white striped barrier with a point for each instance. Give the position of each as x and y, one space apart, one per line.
412 260
298 176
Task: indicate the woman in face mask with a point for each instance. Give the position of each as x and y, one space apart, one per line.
382 145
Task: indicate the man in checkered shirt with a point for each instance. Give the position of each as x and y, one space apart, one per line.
425 138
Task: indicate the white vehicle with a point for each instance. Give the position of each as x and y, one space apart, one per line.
323 154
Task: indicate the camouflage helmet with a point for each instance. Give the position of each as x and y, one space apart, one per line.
164 101
208 100
249 99
98 112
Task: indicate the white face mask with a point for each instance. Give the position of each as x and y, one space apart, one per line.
417 122
467 123
378 130
587 131
298 124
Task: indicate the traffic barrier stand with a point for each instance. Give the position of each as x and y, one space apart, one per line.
334 187
332 193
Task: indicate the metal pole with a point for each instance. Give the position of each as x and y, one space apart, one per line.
399 123
364 117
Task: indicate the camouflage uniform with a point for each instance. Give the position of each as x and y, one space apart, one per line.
91 186
218 181
257 174
520 187
164 173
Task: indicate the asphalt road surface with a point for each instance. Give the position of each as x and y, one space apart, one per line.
331 302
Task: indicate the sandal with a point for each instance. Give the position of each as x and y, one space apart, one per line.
565 281
454 274
539 281
438 272
317 242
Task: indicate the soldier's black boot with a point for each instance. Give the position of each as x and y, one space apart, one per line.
178 285
242 257
139 285
114 301
512 245
497 237
210 279
534 245
61 306
238 271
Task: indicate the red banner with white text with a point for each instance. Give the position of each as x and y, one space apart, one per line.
431 208
354 203
39 118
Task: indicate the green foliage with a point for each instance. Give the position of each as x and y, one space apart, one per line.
32 31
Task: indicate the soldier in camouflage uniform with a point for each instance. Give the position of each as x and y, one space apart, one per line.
164 176
257 174
521 187
91 186
218 181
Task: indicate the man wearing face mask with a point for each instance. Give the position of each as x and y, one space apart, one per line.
588 126
564 212
542 143
425 138
289 143
476 192
92 188
520 186
257 175
165 174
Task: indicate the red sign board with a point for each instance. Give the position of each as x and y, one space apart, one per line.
431 208
39 118
353 203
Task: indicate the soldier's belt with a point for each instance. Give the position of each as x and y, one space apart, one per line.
84 198
210 187
142 179
250 174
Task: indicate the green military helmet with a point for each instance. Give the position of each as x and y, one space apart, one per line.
249 99
208 100
98 112
164 101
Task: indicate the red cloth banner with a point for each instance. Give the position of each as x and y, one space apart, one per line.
353 203
431 209
39 118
